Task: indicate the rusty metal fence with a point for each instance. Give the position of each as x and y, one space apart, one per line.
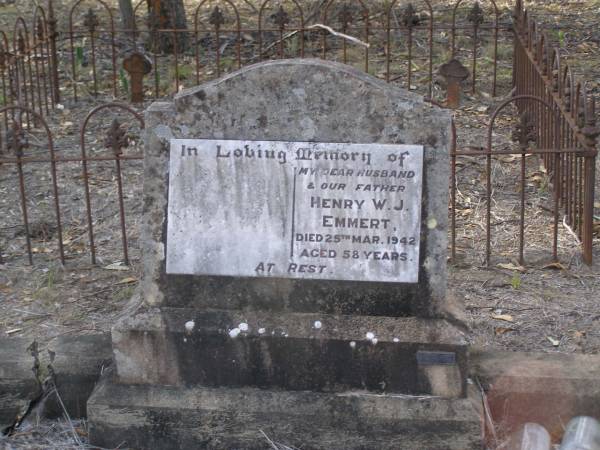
557 122
88 54
563 116
29 66
398 44
21 151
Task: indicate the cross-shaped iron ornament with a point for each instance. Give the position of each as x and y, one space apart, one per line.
281 18
410 18
91 20
116 138
216 18
524 131
475 15
345 16
16 139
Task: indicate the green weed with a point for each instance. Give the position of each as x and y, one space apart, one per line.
515 281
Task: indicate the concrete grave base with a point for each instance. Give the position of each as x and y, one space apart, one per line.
295 351
166 417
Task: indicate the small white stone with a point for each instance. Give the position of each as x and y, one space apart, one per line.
243 326
370 335
317 324
374 341
261 331
189 326
184 339
396 340
352 344
234 333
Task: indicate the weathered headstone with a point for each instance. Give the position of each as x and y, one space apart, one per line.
294 264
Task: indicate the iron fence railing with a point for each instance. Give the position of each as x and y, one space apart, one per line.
556 114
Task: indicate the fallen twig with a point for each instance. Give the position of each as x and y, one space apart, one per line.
312 27
338 34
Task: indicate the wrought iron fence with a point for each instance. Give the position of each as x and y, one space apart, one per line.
88 52
557 117
109 147
557 122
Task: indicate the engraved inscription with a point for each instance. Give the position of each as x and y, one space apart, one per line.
294 210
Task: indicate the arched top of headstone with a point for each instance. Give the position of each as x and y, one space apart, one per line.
305 99
307 69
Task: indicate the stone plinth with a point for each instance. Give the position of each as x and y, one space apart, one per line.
357 355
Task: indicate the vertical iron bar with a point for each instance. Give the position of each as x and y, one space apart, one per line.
176 56
52 36
93 44
121 210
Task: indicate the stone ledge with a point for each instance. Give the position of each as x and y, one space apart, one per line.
145 416
288 351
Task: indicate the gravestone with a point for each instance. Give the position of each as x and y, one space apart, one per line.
294 272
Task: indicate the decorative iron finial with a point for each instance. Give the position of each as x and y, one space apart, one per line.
281 17
524 131
116 138
345 16
91 20
410 18
16 139
475 15
216 18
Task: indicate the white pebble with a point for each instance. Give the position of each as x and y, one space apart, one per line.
261 331
370 335
243 326
189 326
317 324
396 340
374 341
234 333
352 344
